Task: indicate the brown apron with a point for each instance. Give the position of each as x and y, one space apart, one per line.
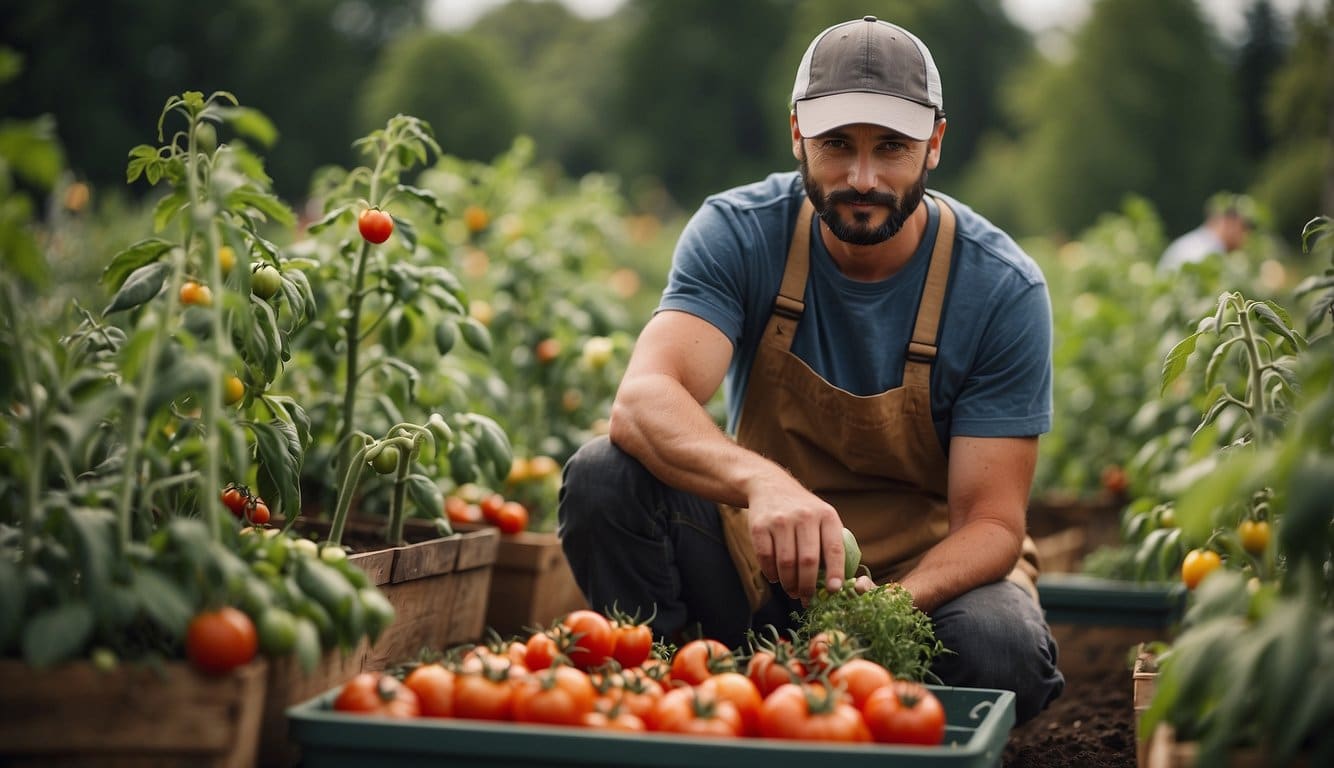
876 459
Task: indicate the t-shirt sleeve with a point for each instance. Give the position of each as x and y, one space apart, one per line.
1008 392
706 272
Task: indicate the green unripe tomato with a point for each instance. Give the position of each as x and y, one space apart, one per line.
386 461
265 281
852 555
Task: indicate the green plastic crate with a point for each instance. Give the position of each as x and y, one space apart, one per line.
978 723
1078 599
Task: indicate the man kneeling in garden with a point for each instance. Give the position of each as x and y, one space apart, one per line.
887 361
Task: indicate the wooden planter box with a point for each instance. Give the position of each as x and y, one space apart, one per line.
1164 751
531 583
439 588
1098 623
1144 680
164 715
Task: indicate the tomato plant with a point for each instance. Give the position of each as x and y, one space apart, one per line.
375 225
905 713
221 640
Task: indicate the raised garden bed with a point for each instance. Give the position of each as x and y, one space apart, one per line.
164 714
531 583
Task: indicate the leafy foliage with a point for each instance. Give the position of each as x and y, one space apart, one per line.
883 621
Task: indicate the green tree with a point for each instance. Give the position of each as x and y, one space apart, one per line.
1260 54
100 70
457 83
690 105
1297 179
562 100
1144 106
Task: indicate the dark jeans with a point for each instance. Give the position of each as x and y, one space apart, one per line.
636 544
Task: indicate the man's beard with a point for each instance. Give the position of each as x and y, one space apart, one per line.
856 231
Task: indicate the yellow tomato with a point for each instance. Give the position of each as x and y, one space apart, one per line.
1198 564
1254 535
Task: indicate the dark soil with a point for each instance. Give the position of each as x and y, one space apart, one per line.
1092 724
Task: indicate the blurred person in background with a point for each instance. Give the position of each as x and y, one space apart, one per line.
1228 222
885 353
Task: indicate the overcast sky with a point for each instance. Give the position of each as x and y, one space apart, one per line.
1037 15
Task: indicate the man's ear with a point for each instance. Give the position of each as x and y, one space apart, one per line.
796 135
933 145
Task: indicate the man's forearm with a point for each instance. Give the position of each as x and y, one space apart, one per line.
657 421
977 553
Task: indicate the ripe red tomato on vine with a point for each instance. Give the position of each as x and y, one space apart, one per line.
216 642
375 225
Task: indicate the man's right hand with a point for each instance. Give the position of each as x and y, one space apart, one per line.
795 532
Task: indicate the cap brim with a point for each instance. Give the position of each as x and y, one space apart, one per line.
825 113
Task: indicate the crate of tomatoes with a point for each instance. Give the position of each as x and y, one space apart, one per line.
595 690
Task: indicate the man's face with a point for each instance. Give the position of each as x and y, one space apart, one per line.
863 182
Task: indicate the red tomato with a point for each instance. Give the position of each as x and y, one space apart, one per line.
460 511
490 506
697 660
512 517
770 669
483 696
434 686
860 677
811 713
217 642
696 712
540 651
560 695
593 639
233 498
826 649
257 511
375 225
615 720
639 694
634 642
375 693
738 689
905 713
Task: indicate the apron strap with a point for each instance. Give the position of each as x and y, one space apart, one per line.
921 351
790 302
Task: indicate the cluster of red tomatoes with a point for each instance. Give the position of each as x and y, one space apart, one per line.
594 672
508 515
245 505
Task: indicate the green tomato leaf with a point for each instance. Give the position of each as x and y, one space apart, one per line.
279 450
141 286
127 261
1175 363
166 601
57 634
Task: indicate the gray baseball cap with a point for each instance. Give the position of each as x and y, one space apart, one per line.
867 71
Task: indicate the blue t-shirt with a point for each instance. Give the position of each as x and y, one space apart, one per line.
993 372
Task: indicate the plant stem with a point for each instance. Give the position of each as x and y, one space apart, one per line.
352 330
1255 400
212 417
36 429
